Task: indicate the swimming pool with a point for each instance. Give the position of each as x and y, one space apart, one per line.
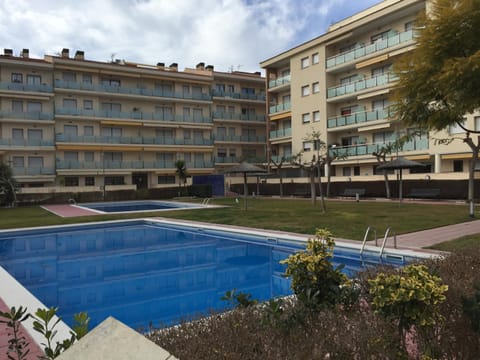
147 270
138 206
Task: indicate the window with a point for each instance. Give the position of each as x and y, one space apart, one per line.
307 145
17 106
164 112
221 132
222 152
348 79
197 92
315 59
87 78
231 88
306 118
315 87
197 114
380 70
69 76
231 109
18 162
186 89
379 104
232 152
88 130
458 165
35 162
71 181
165 133
114 180
70 156
17 78
70 103
187 134
456 129
356 171
89 156
89 181
166 179
248 91
231 131
346 171
112 156
17 136
35 134
380 36
198 134
220 87
34 79
187 157
221 108
34 106
70 130
305 90
87 104
316 116
164 156
111 131
186 113
383 137
409 25
113 107
111 82
304 62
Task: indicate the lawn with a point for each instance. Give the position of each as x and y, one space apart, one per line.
345 219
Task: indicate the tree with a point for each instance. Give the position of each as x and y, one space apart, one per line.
181 171
278 166
8 185
439 81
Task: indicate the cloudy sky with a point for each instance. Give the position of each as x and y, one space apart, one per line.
229 34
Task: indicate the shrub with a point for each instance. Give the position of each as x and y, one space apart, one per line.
315 280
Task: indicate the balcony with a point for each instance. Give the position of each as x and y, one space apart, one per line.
134 115
42 88
26 143
368 149
279 108
358 118
122 90
240 138
33 171
361 51
238 117
280 133
239 96
136 140
361 84
284 80
34 115
100 166
278 158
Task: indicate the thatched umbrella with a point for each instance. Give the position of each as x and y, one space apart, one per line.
400 163
245 168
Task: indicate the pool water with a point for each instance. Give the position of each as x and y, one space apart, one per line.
135 206
144 271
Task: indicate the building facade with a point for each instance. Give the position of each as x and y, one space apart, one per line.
339 84
67 121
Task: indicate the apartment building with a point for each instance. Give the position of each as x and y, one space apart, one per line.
339 84
68 121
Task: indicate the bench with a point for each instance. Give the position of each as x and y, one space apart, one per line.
353 192
424 193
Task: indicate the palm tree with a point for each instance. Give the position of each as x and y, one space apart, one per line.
8 185
181 171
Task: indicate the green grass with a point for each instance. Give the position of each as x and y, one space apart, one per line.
345 219
464 243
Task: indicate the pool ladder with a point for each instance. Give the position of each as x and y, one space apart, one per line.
384 242
205 201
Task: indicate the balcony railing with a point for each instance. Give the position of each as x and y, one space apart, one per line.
32 171
240 138
358 118
280 133
236 116
133 115
33 115
136 164
279 108
26 142
361 84
135 140
227 159
278 158
362 51
279 81
131 90
43 88
368 149
239 96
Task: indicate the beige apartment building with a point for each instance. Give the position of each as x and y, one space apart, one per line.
339 84
67 122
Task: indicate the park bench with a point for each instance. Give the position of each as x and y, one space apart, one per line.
424 193
353 192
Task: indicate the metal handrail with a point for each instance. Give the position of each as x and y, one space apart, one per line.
366 237
385 241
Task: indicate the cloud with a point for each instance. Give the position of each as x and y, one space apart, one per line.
224 33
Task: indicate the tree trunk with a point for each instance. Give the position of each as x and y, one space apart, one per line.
281 186
387 185
471 173
312 186
322 199
329 177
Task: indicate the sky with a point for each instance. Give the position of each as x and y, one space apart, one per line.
229 34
